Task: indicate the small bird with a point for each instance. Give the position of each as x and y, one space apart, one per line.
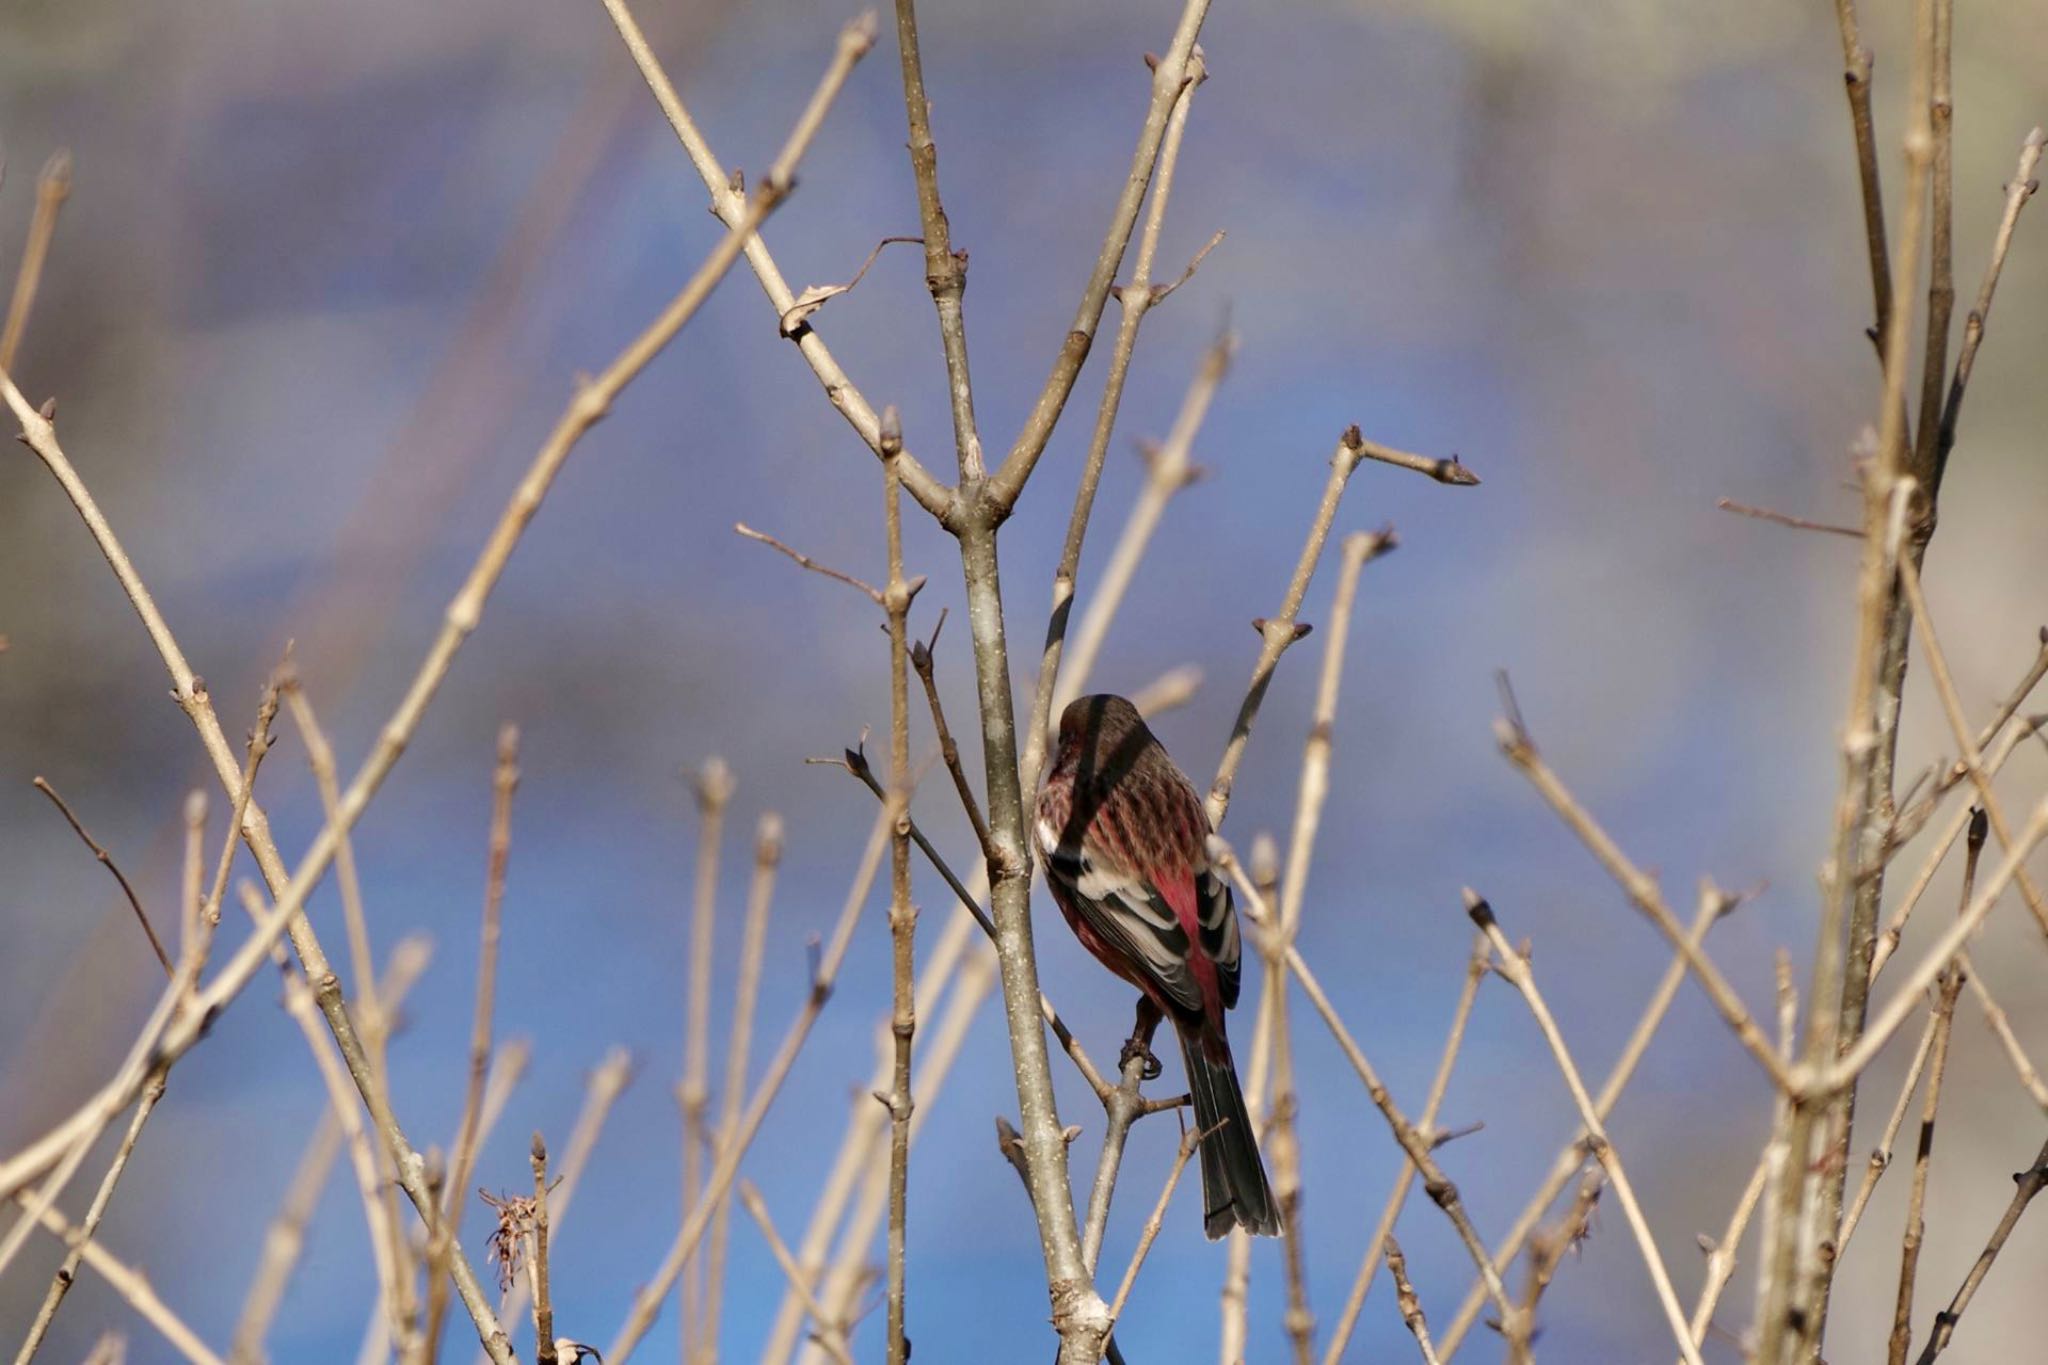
1123 837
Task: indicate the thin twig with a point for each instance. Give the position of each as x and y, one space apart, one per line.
1514 966
128 1282
1856 80
285 1238
2017 191
1943 1015
1136 298
729 205
1397 1198
1450 471
902 912
1642 890
106 860
67 1272
647 1302
713 789
804 561
945 273
166 1037
1972 760
1435 1183
1279 631
1782 519
829 1334
1995 1017
1888 942
739 1047
607 1082
369 1006
949 750
543 1304
342 1100
1409 1302
1168 469
53 187
1713 907
1881 1155
1189 1141
1547 1250
2027 1184
504 780
849 1274
1924 458
1171 74
1887 1020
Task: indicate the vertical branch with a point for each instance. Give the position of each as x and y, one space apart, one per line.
1856 82
1941 283
897 595
1944 1012
647 1302
371 1019
945 270
1791 1316
746 994
714 788
1234 1297
543 1305
856 1146
455 1194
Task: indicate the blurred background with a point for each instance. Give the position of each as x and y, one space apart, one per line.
323 283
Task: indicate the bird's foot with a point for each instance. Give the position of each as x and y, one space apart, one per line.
1137 1049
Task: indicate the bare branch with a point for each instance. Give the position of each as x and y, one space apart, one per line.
729 205
1188 1142
1781 519
543 1305
53 187
1435 1183
1369 1263
1514 966
2017 191
1409 1302
2027 1183
829 1336
1170 75
805 561
106 860
647 1301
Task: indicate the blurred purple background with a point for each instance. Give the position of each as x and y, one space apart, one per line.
323 283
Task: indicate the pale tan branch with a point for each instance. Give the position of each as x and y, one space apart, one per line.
53 187
1514 966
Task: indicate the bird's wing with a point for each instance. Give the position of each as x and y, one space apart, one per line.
1125 910
1216 924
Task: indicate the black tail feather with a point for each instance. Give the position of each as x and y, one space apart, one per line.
1234 1190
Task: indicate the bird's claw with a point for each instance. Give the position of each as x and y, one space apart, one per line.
1136 1049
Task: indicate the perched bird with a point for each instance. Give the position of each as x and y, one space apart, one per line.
1122 834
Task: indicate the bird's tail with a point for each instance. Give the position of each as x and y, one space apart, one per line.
1234 1190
